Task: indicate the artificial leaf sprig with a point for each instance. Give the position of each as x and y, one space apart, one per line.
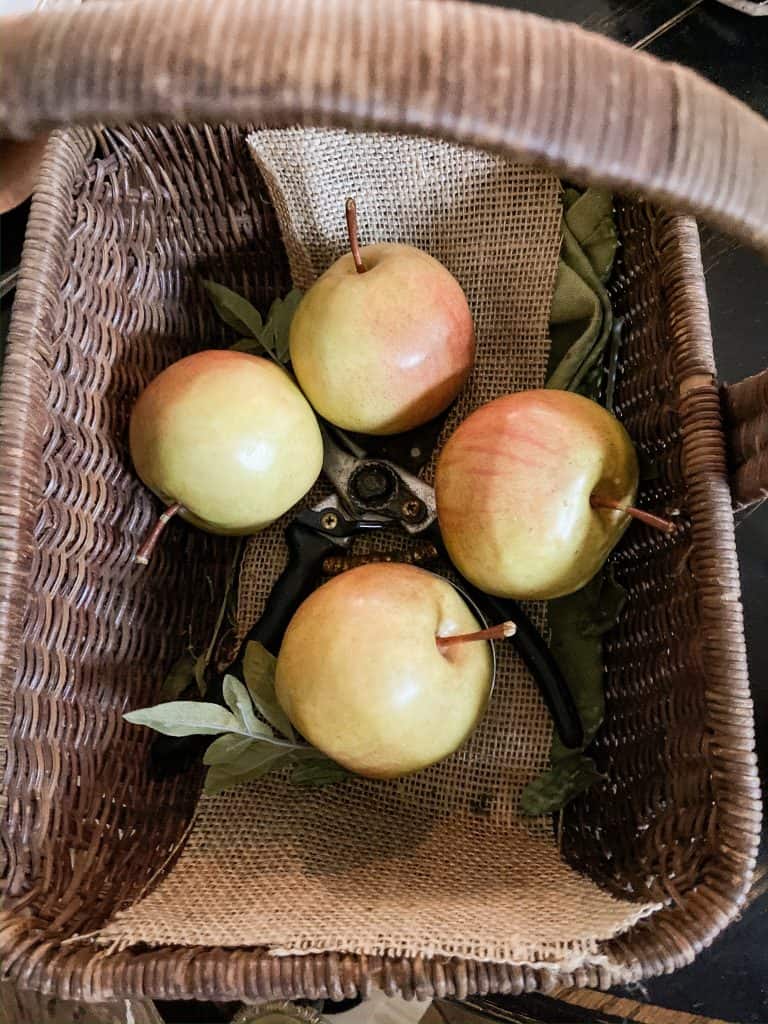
577 624
254 734
583 334
260 337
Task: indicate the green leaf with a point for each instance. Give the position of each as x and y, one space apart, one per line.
185 718
259 672
180 677
227 749
577 625
315 769
260 338
604 599
582 330
234 310
261 750
218 778
276 333
260 758
238 700
581 316
561 783
250 345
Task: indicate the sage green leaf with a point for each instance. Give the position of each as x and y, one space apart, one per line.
218 779
234 310
276 333
315 769
259 672
580 321
227 749
561 783
260 751
581 317
185 718
589 215
260 758
250 345
583 332
180 677
577 624
238 700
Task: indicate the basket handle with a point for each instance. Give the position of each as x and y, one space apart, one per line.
514 83
746 416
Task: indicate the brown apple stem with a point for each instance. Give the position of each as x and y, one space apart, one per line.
657 522
500 632
354 245
145 551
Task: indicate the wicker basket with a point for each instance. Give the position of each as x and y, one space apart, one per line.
85 830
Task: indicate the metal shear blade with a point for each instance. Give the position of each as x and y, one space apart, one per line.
376 487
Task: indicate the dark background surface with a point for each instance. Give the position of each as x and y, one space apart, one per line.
730 980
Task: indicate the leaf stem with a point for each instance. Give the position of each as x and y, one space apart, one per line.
270 739
500 632
657 522
228 584
354 245
145 551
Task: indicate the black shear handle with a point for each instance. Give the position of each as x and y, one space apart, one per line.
173 755
539 661
307 550
530 645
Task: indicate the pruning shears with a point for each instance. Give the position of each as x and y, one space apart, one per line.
371 493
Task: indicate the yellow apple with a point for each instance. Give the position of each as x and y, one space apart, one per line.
229 437
361 676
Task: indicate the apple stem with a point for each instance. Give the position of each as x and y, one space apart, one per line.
657 522
500 632
354 245
145 551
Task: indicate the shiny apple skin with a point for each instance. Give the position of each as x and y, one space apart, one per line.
360 674
513 486
230 437
387 350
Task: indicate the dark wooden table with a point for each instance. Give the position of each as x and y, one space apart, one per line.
730 980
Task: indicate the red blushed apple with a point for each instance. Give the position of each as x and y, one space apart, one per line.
533 491
383 341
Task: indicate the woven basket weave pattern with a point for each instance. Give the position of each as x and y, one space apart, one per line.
70 873
439 863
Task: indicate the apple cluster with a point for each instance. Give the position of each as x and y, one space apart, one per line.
533 490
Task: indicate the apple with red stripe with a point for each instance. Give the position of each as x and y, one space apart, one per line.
533 491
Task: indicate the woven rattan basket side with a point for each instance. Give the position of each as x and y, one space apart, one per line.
678 817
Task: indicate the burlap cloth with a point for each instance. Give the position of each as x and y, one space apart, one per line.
439 863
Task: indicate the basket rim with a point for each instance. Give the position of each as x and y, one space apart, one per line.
661 942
